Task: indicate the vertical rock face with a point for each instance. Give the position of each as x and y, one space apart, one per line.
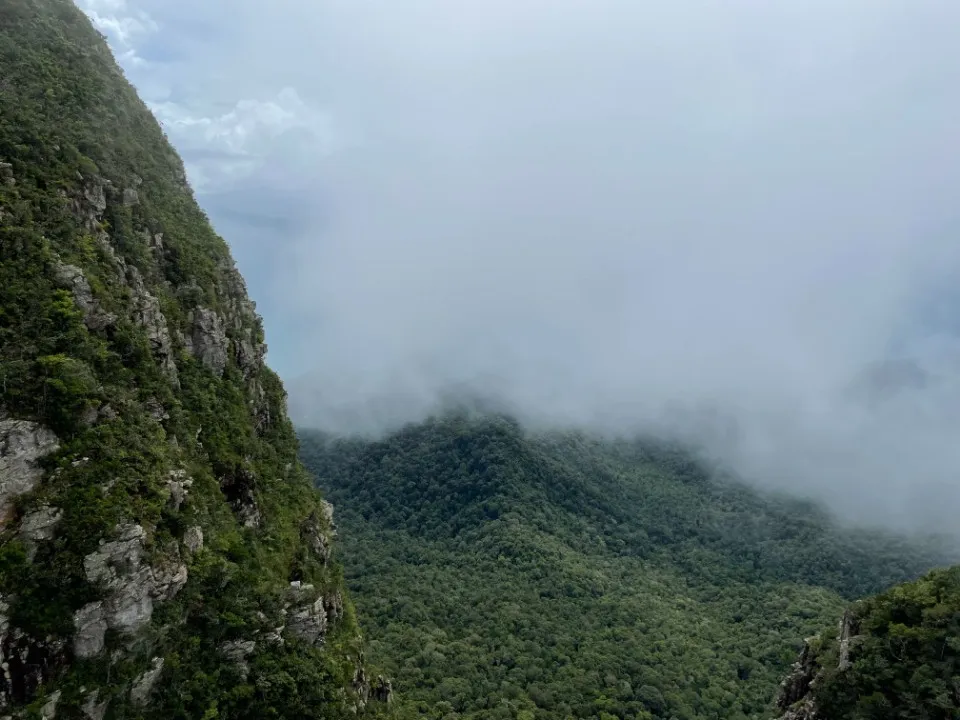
72 278
144 684
797 698
132 586
22 445
849 627
794 698
148 315
207 340
150 492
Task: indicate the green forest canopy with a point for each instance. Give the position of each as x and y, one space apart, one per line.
506 574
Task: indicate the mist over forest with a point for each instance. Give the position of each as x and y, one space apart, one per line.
734 223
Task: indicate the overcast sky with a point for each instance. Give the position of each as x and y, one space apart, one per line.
608 213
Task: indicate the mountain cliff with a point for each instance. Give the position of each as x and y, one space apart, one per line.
162 550
504 573
895 656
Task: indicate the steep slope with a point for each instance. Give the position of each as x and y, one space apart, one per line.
162 551
895 656
504 574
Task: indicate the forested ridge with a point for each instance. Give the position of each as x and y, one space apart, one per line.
502 573
163 553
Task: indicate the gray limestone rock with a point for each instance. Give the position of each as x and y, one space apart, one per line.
849 627
72 278
237 652
193 539
794 698
208 339
381 690
148 315
94 192
90 622
249 355
132 586
333 605
178 485
91 202
144 684
156 409
92 709
308 622
37 526
315 537
49 709
22 445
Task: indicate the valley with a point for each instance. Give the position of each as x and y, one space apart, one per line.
501 573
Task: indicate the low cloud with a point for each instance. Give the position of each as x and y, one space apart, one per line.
734 222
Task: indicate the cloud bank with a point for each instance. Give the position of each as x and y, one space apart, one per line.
733 221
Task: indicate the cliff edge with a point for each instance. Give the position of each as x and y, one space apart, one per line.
162 551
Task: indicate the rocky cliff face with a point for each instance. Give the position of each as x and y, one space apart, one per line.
894 655
797 696
162 551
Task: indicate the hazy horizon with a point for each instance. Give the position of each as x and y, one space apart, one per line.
731 222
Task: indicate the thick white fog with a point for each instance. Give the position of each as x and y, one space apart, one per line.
732 221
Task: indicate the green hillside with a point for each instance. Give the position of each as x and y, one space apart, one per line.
153 513
502 574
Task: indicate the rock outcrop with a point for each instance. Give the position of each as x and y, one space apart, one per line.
207 340
132 586
316 537
797 696
307 614
178 485
22 445
37 526
90 622
379 690
849 627
148 315
92 708
193 539
145 683
90 202
72 278
794 698
237 652
48 711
